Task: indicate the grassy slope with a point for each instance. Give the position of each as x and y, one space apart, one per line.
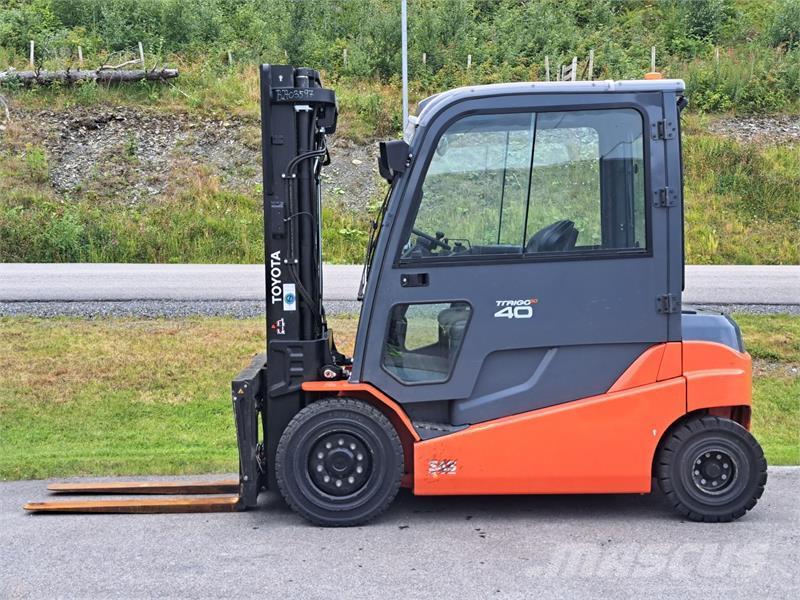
743 200
122 396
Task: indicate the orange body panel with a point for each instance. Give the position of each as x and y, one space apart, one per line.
643 371
360 390
603 444
716 375
672 362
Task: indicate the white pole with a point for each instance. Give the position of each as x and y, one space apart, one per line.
591 64
547 68
574 68
653 59
141 54
80 57
404 27
424 58
32 55
469 61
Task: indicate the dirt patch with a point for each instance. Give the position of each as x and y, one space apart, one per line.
759 129
129 155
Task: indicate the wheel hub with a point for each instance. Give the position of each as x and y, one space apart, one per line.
339 464
713 471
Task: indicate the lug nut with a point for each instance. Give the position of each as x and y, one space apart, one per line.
328 445
320 455
341 442
359 469
338 483
352 446
319 468
351 479
326 479
359 456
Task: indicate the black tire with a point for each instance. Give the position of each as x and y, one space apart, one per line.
339 462
711 469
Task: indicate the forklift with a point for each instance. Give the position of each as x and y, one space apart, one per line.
521 330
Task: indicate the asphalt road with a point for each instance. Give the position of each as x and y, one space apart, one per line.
445 548
131 282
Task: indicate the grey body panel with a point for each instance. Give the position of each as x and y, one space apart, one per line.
515 381
593 317
711 326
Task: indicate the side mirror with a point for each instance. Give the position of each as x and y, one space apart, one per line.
393 159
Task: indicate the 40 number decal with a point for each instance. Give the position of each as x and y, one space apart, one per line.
515 312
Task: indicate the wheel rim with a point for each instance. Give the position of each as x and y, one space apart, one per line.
339 463
714 471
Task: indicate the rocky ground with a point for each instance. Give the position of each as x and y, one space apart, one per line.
131 155
759 129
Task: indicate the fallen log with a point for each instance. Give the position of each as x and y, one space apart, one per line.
69 77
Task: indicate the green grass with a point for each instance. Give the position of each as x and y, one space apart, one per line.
127 396
742 200
774 343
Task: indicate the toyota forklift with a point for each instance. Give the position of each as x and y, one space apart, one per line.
521 330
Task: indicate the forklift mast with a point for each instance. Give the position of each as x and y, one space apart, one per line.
296 115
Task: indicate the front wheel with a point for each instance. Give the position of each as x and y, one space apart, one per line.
339 462
711 469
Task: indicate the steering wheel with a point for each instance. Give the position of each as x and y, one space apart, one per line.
436 241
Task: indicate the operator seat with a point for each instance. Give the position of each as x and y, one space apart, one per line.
452 326
557 237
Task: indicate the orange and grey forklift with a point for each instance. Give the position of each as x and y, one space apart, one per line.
521 330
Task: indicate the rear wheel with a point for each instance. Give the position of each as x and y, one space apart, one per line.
339 462
711 469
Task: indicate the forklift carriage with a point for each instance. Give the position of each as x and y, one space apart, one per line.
521 330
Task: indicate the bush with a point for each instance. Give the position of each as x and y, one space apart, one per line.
785 26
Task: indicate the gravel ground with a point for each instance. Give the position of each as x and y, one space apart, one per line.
244 309
771 129
239 309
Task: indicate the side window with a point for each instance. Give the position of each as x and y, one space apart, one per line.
550 182
474 196
424 340
587 183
